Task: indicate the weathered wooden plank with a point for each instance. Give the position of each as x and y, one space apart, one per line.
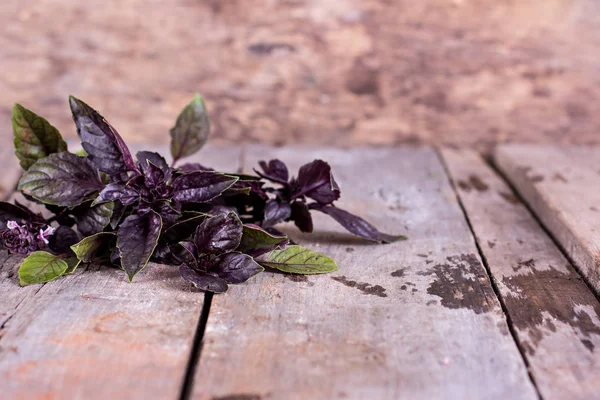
555 315
415 319
560 185
93 335
12 296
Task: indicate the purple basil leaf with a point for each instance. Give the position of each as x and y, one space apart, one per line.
275 171
94 219
153 176
167 211
235 267
126 194
246 187
301 216
190 167
14 212
62 179
136 239
118 213
357 225
183 229
115 258
316 181
191 129
146 157
191 250
202 280
275 212
62 240
218 234
105 147
200 186
221 209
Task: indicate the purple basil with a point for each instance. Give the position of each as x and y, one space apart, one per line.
105 148
130 211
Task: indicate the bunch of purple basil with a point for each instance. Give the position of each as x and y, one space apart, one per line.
104 205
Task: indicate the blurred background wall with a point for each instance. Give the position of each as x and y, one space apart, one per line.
335 72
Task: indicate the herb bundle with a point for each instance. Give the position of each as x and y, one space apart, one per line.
111 207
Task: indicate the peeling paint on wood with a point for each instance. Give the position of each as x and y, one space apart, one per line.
333 341
555 316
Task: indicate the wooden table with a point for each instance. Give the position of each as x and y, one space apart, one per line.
482 301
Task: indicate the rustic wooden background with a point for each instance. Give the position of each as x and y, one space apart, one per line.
335 72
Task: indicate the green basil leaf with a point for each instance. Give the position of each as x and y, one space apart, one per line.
41 267
61 179
254 237
34 137
88 247
72 264
191 129
299 260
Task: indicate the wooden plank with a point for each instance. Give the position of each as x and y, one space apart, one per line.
560 185
415 319
93 335
555 315
12 296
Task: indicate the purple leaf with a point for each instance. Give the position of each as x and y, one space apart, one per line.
221 209
61 179
200 186
357 225
235 267
202 280
246 187
118 213
316 181
191 129
14 212
62 240
190 249
275 171
301 216
154 177
105 148
94 219
190 167
148 157
118 191
218 234
136 239
275 212
183 229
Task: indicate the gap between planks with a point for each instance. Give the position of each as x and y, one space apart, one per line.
326 337
559 184
443 155
149 329
196 351
554 314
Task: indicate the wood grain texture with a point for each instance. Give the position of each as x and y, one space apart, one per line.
12 295
555 315
415 319
93 335
337 72
561 186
